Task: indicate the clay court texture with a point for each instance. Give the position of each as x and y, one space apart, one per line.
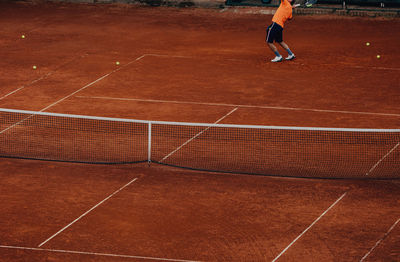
200 66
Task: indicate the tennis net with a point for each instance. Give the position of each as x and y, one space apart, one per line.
261 150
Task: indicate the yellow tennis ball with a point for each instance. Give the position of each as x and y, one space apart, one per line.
22 36
117 63
34 67
367 44
378 56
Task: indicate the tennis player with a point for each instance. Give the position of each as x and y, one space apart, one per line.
275 30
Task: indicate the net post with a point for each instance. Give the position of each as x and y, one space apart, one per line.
149 145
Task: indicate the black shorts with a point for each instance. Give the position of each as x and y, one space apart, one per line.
274 33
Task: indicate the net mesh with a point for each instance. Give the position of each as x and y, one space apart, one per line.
62 138
280 151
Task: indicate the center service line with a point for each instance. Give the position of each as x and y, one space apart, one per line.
87 212
326 211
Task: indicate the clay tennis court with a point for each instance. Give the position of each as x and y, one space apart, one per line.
197 66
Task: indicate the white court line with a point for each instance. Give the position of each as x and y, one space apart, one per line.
380 240
47 107
380 160
77 91
237 105
106 75
377 68
201 132
326 211
360 67
167 56
42 77
87 212
94 253
66 97
92 83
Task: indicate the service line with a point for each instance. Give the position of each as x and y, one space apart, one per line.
238 105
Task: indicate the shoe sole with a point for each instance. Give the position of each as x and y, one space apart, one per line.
290 58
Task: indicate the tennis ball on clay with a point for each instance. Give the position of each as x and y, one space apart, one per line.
367 44
378 56
22 36
117 63
34 67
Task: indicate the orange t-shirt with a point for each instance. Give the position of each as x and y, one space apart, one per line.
283 13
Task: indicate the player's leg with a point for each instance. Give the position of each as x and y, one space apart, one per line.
274 49
290 56
272 31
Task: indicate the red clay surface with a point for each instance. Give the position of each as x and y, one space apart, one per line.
195 65
175 214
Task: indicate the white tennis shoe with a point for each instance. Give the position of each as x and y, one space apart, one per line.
277 59
290 57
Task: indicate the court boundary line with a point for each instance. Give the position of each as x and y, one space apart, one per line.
92 253
380 240
106 75
92 83
379 68
66 97
84 87
312 224
380 160
368 67
44 76
198 134
242 106
87 212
